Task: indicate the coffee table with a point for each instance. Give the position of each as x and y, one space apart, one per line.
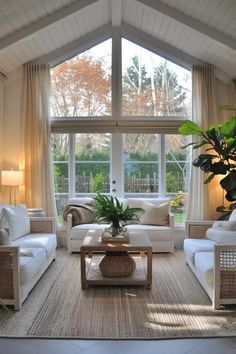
92 250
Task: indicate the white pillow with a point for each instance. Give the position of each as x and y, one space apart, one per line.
225 225
219 236
155 214
17 220
4 237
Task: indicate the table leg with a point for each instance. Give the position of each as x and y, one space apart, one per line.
83 269
149 270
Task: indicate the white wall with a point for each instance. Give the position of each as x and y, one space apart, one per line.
12 129
12 126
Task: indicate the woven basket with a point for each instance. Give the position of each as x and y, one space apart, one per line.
117 264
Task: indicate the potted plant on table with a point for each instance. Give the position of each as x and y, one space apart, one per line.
110 210
219 157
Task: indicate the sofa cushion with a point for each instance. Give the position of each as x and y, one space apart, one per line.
154 233
221 236
192 246
155 214
204 264
17 220
78 232
37 240
30 266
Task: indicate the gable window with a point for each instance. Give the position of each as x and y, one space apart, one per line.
114 124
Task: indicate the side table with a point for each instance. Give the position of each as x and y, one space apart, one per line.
93 247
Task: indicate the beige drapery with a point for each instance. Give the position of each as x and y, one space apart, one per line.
39 190
203 199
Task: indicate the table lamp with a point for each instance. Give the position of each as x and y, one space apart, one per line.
12 179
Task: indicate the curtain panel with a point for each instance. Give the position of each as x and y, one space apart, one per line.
39 189
203 199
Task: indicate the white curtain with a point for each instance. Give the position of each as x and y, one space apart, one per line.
1 135
39 190
203 199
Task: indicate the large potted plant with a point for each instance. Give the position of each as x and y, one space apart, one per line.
219 157
110 210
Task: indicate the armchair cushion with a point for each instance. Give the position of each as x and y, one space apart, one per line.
17 220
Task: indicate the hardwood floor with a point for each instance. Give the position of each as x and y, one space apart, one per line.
174 346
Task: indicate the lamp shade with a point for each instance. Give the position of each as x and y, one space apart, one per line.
12 178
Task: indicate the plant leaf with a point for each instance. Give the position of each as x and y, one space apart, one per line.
209 178
190 128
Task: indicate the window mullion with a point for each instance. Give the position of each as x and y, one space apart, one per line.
72 168
117 166
116 74
162 166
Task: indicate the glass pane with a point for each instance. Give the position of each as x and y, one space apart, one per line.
81 86
59 144
153 86
61 201
177 174
140 163
92 163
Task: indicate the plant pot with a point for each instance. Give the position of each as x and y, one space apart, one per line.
117 264
115 229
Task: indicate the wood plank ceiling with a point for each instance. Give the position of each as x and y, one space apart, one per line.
204 29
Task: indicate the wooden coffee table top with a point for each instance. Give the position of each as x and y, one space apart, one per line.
138 241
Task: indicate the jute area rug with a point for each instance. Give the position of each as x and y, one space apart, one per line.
176 306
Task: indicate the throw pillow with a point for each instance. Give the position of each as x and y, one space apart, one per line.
224 225
219 236
4 237
155 214
17 220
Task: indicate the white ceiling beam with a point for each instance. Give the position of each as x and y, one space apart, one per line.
44 22
75 47
191 23
116 13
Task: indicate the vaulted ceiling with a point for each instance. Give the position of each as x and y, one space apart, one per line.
202 31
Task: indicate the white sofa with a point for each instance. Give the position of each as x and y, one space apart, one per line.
161 237
24 259
213 261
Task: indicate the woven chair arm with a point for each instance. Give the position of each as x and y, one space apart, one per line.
44 224
9 273
225 270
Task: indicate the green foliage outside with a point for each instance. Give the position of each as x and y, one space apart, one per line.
100 170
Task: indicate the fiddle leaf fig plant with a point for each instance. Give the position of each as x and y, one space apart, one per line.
219 157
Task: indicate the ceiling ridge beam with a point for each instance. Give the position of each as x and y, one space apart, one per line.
44 22
75 47
191 22
116 13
